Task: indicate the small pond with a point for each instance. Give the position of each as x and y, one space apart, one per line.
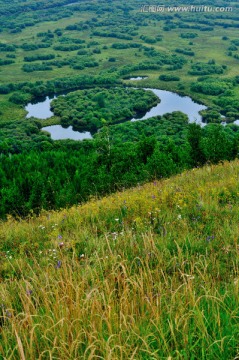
40 109
138 78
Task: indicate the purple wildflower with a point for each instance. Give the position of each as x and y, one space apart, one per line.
58 265
8 314
209 238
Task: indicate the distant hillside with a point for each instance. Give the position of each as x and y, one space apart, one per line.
148 273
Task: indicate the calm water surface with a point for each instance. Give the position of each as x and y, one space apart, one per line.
169 102
138 78
59 133
40 110
173 102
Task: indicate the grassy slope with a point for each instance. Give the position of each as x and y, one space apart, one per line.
149 273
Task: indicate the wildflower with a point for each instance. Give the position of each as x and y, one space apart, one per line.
114 235
179 217
58 265
82 256
116 219
209 238
29 292
5 311
156 295
8 314
138 262
61 244
189 277
59 236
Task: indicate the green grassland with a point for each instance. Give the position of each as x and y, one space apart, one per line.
206 46
148 273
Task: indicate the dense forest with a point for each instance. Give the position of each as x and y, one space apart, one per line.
86 110
67 172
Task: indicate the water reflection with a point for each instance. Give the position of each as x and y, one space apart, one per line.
169 102
173 102
59 133
40 109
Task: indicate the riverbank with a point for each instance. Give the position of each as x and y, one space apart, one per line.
168 103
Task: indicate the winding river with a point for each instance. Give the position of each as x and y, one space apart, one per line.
173 102
169 102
